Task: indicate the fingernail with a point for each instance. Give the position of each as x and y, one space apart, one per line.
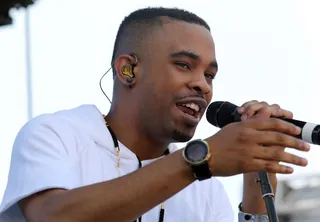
289 170
304 162
244 116
306 146
240 110
298 130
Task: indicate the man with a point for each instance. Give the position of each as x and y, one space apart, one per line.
78 165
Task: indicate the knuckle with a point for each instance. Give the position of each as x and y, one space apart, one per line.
264 103
277 123
276 154
266 108
250 103
244 135
267 111
276 106
280 138
269 166
250 110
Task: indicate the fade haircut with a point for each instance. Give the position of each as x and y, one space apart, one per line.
137 25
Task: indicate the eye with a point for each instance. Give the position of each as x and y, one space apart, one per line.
210 75
183 65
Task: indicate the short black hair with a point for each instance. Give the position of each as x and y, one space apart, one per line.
137 25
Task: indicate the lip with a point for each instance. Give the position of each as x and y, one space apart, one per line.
202 103
190 120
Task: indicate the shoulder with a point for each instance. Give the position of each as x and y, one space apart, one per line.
76 117
46 148
60 124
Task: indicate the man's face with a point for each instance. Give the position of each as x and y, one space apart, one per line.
176 85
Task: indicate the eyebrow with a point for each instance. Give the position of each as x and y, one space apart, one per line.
192 56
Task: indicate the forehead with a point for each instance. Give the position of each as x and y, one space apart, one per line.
181 36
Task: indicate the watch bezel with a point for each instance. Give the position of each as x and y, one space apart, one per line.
204 159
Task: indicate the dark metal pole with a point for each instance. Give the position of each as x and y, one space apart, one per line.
268 196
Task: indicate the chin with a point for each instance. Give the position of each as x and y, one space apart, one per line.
180 136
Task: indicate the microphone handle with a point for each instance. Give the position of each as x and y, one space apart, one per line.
310 132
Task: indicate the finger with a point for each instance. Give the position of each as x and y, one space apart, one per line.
271 138
249 103
273 124
267 111
255 108
278 147
246 105
271 167
282 113
264 112
276 153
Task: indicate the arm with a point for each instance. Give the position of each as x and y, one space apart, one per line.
44 163
252 201
44 173
113 200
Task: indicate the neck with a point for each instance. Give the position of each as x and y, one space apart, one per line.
130 133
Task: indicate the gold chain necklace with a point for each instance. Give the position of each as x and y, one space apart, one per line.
116 146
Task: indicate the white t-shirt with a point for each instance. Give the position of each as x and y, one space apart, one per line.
73 148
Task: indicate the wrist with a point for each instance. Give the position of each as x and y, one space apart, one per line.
197 154
252 201
244 216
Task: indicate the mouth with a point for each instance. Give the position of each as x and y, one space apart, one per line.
192 108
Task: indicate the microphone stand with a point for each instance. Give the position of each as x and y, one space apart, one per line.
268 196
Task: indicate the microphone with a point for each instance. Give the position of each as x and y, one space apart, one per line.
222 113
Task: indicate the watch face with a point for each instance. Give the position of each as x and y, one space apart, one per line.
196 151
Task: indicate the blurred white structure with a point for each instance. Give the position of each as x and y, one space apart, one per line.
298 199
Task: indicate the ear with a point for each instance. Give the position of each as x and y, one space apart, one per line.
124 66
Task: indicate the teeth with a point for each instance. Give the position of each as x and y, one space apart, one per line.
193 106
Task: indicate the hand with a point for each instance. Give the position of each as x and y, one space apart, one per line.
252 201
240 147
259 110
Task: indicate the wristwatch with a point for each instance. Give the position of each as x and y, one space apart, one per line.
246 217
197 153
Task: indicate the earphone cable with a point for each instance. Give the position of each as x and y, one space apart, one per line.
100 84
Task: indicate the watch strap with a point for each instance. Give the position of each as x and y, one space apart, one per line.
202 171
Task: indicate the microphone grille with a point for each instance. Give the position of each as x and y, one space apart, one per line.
221 113
212 112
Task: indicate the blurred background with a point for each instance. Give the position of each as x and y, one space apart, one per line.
53 55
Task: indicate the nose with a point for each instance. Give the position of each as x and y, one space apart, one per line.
200 85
